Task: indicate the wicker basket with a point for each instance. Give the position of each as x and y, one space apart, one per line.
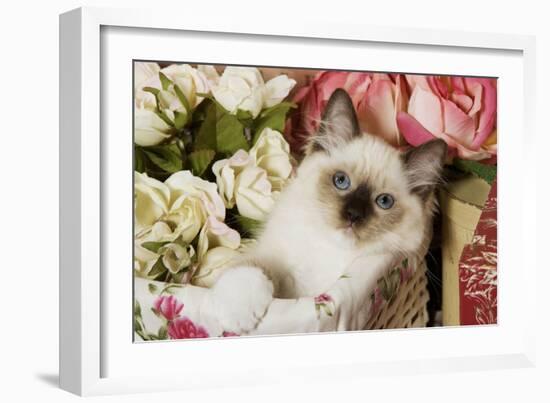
408 308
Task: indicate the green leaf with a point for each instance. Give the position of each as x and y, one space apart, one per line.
230 135
249 226
163 333
206 136
152 90
486 172
138 328
245 117
168 157
169 287
182 98
157 270
165 118
164 81
180 119
139 160
274 118
221 132
200 160
154 246
199 113
137 308
152 288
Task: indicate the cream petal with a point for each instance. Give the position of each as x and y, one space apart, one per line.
211 263
277 89
185 183
253 193
149 129
216 233
143 71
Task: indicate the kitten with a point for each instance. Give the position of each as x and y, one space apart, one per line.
353 196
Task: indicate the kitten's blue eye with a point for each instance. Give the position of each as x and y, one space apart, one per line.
385 201
341 181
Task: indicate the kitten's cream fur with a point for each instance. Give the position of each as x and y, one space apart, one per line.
306 245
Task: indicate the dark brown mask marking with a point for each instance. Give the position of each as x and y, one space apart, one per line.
357 205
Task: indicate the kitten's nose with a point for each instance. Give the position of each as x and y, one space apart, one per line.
353 213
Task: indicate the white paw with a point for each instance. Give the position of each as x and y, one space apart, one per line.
240 298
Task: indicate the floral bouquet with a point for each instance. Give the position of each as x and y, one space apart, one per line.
210 158
214 146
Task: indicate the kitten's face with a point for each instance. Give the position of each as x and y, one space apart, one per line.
364 187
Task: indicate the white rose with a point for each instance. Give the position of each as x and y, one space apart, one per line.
189 80
143 74
226 171
184 183
187 216
145 258
240 88
277 89
243 88
149 128
143 71
253 194
214 259
176 257
216 233
272 153
210 73
151 201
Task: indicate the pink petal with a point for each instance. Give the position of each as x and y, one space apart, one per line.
458 125
477 93
415 80
377 112
330 81
300 94
356 85
414 132
488 113
432 84
426 108
402 98
458 83
439 85
463 101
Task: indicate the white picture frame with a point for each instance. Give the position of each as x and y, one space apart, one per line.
93 362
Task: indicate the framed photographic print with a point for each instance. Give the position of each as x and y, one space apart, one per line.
323 186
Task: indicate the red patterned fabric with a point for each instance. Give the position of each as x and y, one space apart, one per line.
478 269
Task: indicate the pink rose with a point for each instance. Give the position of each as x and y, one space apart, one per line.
323 299
184 328
459 110
169 307
376 97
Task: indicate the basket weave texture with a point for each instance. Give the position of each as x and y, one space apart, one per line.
408 307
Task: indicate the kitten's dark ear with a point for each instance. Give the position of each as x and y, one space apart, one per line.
424 165
339 122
